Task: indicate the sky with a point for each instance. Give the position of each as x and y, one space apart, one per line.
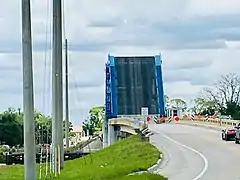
199 41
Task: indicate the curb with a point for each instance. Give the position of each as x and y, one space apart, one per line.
162 161
153 169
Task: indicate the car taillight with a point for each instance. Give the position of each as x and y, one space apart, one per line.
231 131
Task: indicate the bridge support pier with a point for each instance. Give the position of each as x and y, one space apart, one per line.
105 135
112 135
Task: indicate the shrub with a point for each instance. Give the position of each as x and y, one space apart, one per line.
2 155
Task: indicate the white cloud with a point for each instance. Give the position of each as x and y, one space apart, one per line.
213 7
198 39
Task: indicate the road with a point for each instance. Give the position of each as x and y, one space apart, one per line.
192 153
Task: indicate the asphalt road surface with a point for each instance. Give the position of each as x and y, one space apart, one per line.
192 153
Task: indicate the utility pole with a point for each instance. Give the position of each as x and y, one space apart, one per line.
57 87
66 91
59 37
28 97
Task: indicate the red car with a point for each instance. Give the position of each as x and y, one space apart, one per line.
229 133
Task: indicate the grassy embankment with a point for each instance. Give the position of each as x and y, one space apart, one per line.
112 163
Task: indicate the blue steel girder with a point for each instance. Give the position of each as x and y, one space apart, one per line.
113 78
159 82
108 108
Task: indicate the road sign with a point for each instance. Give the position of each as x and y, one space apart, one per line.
177 118
144 111
148 119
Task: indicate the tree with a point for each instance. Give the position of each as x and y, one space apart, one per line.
72 134
70 126
203 106
43 128
233 110
225 90
166 99
178 103
95 120
223 96
11 128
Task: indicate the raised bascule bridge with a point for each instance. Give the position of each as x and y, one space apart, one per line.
133 92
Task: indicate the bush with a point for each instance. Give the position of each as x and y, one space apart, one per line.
2 156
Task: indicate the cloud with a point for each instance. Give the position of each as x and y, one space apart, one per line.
187 76
187 63
199 41
85 84
115 25
213 7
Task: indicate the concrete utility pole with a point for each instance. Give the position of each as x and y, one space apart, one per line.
57 87
28 97
66 91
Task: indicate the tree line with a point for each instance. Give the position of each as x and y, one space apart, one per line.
177 103
220 98
11 127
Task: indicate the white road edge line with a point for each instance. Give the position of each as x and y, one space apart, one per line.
195 151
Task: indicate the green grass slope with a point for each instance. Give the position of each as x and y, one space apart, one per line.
112 163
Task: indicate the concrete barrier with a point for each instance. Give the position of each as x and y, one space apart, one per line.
121 121
128 129
215 121
122 124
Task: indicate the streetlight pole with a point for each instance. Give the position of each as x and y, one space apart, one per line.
57 87
28 97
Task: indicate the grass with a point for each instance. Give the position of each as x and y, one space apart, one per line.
112 163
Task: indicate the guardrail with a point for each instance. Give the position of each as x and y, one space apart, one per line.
129 121
216 121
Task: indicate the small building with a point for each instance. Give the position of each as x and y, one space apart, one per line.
79 135
78 130
174 111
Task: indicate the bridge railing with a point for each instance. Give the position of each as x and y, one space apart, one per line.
127 122
216 121
141 118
